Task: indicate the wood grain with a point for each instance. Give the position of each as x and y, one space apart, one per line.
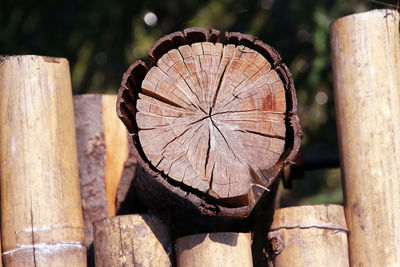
366 65
117 152
207 107
308 236
218 121
132 240
41 214
214 250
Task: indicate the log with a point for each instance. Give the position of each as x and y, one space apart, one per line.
132 240
308 236
212 123
104 158
365 51
214 249
41 214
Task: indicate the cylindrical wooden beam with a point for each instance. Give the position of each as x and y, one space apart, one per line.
214 249
365 51
41 214
308 236
132 240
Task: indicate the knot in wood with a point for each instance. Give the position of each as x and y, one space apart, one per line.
273 246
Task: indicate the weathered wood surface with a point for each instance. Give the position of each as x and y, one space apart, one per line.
216 121
104 158
214 250
308 236
366 65
91 159
132 240
41 213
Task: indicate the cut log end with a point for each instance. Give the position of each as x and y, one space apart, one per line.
218 119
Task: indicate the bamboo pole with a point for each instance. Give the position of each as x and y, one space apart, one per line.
365 51
308 236
214 249
131 240
41 215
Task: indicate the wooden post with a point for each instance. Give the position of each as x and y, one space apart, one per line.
41 214
132 240
308 236
104 158
366 65
214 249
213 123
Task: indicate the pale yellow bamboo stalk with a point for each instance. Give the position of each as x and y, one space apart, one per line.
41 214
366 66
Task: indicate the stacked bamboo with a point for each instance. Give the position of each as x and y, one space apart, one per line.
366 62
41 201
41 212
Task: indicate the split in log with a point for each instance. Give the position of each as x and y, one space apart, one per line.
214 249
218 121
308 236
41 213
132 240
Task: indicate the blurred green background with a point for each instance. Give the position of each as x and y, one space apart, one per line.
102 38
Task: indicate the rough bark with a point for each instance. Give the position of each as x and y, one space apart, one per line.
106 165
212 123
91 158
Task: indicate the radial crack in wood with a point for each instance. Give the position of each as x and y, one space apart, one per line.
209 110
220 119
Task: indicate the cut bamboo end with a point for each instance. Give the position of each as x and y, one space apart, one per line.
365 51
41 214
104 159
204 106
308 236
132 240
214 250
